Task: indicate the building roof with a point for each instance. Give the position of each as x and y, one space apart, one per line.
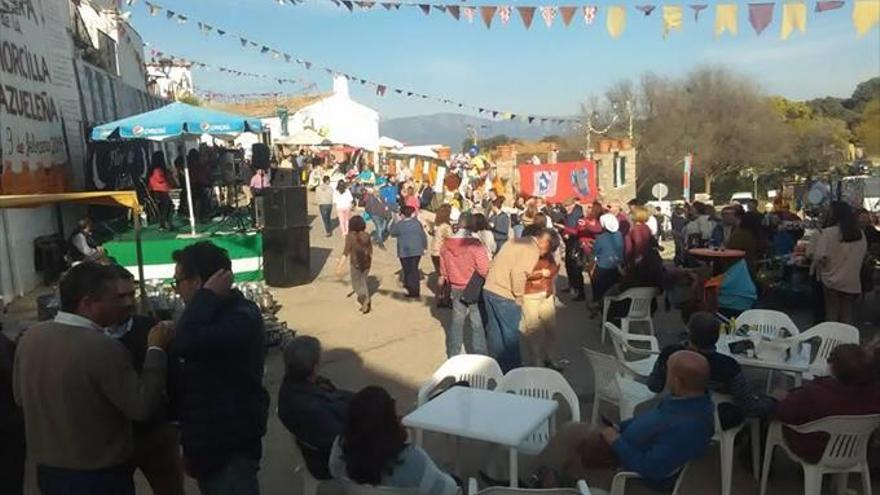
266 107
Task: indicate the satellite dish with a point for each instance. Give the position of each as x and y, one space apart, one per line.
660 191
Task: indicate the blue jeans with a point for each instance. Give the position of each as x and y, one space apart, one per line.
502 330
379 233
455 332
325 217
109 481
237 477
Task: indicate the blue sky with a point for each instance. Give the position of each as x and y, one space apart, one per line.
540 71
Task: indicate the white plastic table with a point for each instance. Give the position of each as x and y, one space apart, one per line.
797 364
495 417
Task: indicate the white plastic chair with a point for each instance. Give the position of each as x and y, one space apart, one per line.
540 383
623 344
846 451
639 308
618 484
767 322
478 371
831 334
726 439
611 384
474 489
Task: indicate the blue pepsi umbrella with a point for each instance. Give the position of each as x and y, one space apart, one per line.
174 120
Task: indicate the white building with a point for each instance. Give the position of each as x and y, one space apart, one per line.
85 67
337 118
169 79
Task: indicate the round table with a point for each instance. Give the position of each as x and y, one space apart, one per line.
717 253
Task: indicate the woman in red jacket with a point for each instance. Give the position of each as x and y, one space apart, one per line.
159 185
638 239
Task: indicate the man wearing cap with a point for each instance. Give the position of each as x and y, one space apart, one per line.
608 250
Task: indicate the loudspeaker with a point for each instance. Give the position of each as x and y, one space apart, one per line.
283 177
285 207
260 156
286 256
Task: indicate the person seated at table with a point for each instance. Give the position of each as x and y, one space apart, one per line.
656 444
698 231
852 389
726 374
83 246
372 449
310 407
748 236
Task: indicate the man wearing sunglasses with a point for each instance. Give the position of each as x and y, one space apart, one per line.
221 402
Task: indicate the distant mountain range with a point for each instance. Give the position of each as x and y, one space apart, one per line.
451 129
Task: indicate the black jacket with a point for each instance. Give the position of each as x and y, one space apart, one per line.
221 403
10 414
314 413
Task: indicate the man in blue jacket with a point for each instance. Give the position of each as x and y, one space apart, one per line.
411 244
221 403
656 444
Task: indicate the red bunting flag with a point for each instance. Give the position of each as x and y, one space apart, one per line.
567 14
527 14
760 16
826 5
488 13
380 90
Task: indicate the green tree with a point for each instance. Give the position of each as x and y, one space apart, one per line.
864 92
867 131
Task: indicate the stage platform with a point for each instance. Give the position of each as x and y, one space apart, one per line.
245 249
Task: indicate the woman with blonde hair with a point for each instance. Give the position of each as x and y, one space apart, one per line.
638 238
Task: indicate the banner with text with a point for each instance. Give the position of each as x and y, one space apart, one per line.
33 155
556 182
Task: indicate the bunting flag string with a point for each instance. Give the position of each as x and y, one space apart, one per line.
156 56
866 13
615 20
672 19
381 89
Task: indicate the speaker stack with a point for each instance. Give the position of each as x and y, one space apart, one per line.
286 260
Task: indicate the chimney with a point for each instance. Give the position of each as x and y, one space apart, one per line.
340 86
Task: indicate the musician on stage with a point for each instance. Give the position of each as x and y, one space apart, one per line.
160 183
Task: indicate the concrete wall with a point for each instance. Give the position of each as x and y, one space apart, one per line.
620 193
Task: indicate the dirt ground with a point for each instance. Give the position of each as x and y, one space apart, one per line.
401 342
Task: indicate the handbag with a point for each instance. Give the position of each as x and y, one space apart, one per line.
472 291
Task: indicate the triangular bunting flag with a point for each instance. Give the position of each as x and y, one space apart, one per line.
826 5
527 14
866 15
615 20
504 12
308 65
264 50
646 9
221 32
387 5
760 16
590 12
425 8
487 12
469 13
154 9
244 42
287 58
698 8
380 90
454 11
366 5
794 16
494 114
169 14
531 119
725 19
549 14
567 14
440 7
181 19
672 19
348 5
398 91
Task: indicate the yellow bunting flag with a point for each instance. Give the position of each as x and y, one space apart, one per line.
615 20
794 16
672 18
866 15
725 19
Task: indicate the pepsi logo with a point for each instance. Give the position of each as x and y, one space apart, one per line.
137 130
205 126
